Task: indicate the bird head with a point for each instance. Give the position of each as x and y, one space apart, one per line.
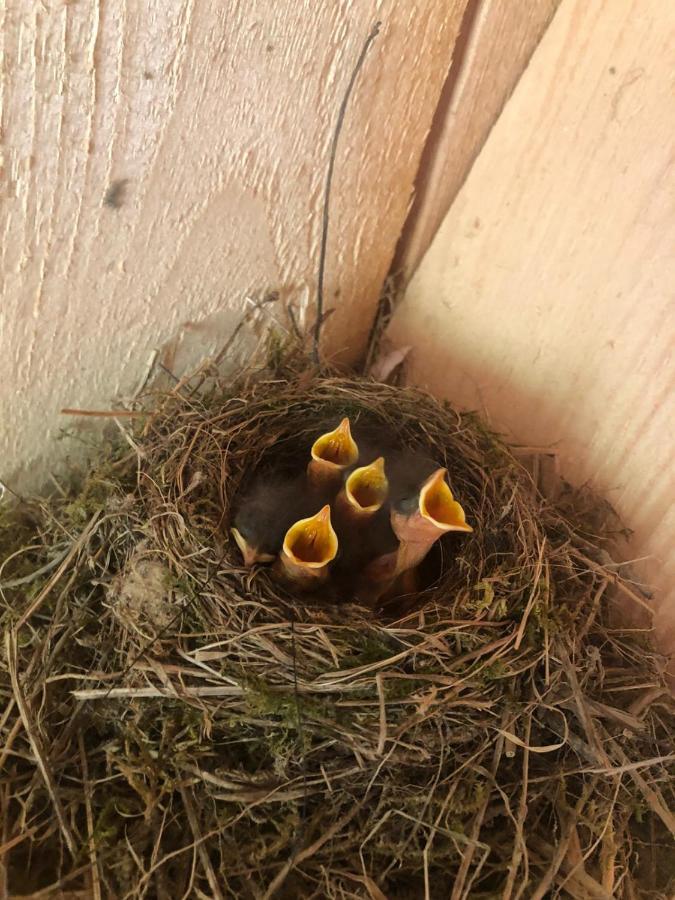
365 489
271 503
251 553
438 506
309 546
437 512
333 453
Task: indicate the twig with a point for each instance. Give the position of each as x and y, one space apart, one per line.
91 527
27 579
558 857
41 759
295 860
458 887
534 593
651 795
199 843
329 179
150 692
519 845
581 883
382 739
301 741
106 413
86 788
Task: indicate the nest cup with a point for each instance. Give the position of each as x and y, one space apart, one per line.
268 744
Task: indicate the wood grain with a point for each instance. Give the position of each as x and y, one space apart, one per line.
494 47
163 162
548 296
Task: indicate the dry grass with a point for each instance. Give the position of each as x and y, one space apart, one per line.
173 725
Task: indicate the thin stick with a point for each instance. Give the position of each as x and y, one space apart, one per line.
558 857
458 891
105 413
150 692
534 593
651 795
382 739
17 582
200 845
329 179
42 764
86 786
311 850
301 741
93 523
519 845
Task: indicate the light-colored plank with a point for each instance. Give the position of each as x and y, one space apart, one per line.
495 44
548 296
213 120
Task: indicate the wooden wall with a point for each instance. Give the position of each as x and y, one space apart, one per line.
162 162
547 298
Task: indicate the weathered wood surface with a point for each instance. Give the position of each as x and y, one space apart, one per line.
494 47
163 161
548 296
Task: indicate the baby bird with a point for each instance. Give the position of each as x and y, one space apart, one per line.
333 453
364 493
309 546
362 524
266 512
422 508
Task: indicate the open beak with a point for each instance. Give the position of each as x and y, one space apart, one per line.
332 453
250 554
365 492
310 545
437 513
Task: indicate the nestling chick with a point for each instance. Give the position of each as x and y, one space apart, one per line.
364 492
309 546
422 509
363 527
266 512
332 454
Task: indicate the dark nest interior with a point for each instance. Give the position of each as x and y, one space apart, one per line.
175 725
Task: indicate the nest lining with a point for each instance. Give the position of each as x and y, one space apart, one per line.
176 725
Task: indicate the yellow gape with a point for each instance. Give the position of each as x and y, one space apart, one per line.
438 505
309 546
332 453
437 513
366 489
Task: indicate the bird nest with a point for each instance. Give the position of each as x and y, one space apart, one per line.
175 725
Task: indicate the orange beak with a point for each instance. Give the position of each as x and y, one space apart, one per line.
438 512
310 545
250 554
332 453
364 493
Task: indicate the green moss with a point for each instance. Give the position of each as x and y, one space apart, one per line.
370 649
494 672
400 688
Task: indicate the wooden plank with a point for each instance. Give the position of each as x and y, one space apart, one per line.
548 295
162 162
494 47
